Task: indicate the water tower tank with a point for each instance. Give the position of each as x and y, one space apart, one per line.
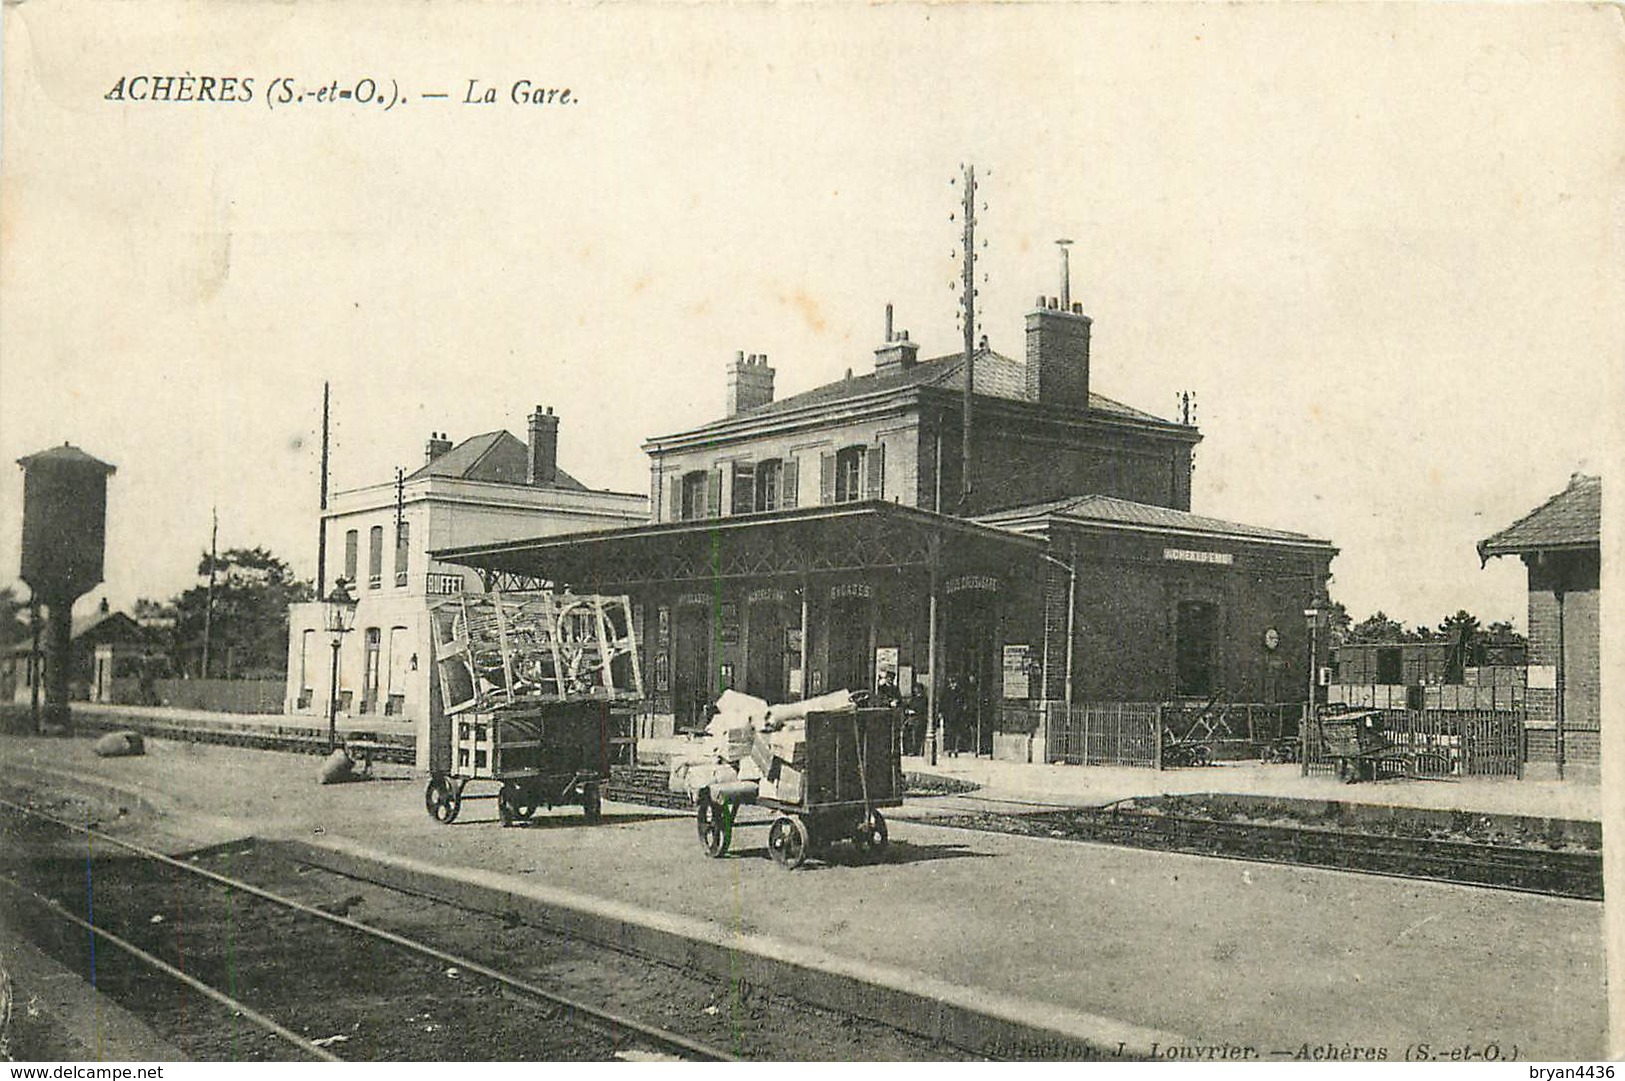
64 520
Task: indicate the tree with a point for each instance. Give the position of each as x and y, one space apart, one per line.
247 623
1338 622
14 625
1378 628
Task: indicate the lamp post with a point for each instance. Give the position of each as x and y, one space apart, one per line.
1312 617
339 618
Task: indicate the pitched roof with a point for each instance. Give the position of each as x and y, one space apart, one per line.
1111 511
997 376
494 457
66 454
1570 519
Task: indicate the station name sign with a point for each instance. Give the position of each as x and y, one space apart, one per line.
439 585
1186 555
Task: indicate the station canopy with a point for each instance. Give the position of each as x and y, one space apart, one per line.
871 535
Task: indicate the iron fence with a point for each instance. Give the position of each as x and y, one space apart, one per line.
1107 734
1436 743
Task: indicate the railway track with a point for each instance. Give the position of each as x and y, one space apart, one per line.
242 953
1557 873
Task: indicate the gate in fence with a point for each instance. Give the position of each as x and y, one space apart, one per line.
1437 743
1137 733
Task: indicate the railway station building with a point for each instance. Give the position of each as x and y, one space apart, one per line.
1560 544
810 543
488 488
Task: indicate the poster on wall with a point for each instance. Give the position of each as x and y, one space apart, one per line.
885 663
1016 662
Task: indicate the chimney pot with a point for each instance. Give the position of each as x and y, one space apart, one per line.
543 464
749 383
888 321
1039 303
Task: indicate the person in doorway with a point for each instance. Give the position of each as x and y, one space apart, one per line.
887 695
951 714
914 720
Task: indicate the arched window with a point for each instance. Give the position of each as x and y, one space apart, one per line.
849 475
375 557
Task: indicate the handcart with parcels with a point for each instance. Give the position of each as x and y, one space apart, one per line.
1358 743
827 782
535 689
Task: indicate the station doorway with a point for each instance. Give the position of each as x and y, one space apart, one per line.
971 665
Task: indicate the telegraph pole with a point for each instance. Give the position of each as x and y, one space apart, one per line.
968 302
321 529
208 609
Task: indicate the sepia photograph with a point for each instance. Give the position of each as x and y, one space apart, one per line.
786 532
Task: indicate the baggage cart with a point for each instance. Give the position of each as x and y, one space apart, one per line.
1358 743
851 769
536 692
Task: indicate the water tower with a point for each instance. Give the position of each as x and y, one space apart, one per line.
64 534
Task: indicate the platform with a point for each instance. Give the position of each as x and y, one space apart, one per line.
1216 951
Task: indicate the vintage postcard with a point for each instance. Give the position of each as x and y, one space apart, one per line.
809 531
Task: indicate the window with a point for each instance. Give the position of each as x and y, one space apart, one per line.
849 475
350 546
375 557
769 484
694 491
1195 647
403 534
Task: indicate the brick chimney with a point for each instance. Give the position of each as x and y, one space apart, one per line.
438 444
750 383
544 448
898 353
1058 347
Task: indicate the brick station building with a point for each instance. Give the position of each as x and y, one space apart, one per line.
801 545
1560 542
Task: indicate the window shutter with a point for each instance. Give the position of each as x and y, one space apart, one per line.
674 504
787 484
713 494
744 495
826 479
874 463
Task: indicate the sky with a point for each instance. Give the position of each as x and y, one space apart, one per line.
1377 242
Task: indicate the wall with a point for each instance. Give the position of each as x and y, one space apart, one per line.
222 695
900 473
1128 596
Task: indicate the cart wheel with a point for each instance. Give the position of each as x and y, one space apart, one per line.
788 842
715 822
592 803
1203 756
870 834
440 801
515 804
1346 771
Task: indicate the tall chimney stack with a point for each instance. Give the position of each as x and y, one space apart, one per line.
437 445
1058 347
750 383
896 353
543 466
1066 275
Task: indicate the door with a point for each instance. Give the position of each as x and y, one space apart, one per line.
1196 641
971 656
767 672
692 685
848 644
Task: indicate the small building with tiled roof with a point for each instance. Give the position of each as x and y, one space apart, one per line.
806 544
488 488
1560 543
